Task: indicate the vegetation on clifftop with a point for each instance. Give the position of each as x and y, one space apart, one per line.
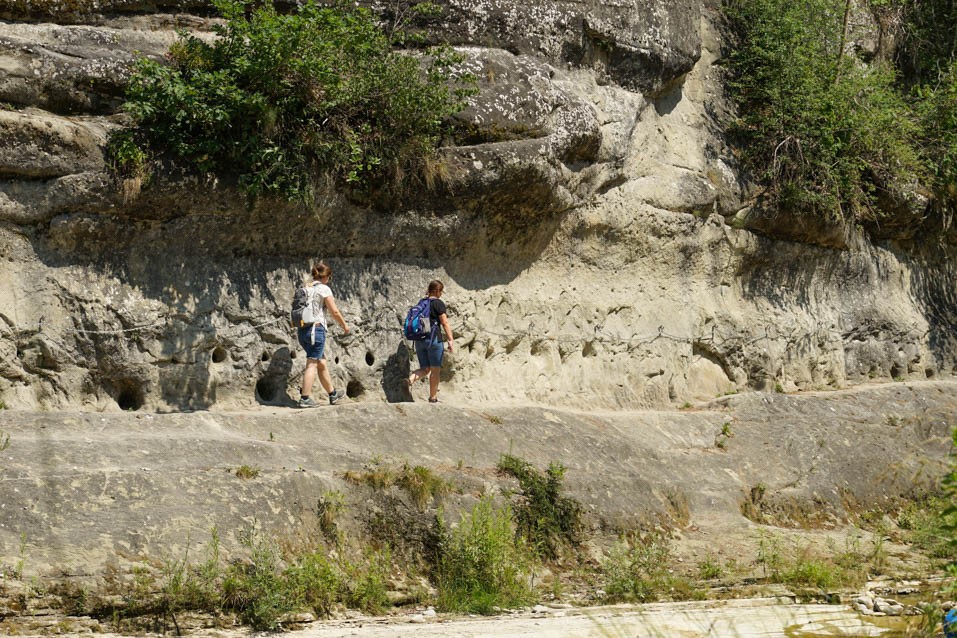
832 134
282 100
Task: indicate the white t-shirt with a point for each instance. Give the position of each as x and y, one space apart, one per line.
321 292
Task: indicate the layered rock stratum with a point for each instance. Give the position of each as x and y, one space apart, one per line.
605 254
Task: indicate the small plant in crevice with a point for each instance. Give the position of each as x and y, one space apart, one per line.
130 162
247 471
328 508
546 518
709 568
4 440
421 484
752 504
721 440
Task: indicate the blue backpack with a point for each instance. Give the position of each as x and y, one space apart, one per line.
416 326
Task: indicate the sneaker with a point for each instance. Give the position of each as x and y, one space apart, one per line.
308 402
336 396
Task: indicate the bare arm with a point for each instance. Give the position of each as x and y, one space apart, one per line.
444 321
334 311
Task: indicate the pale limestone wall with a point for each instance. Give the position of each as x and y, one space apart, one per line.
604 262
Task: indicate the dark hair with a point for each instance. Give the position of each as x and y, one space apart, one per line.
435 286
321 270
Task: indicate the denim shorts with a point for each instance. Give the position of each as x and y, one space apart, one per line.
429 353
313 341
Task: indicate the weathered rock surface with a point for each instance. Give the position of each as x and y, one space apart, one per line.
592 237
84 491
601 256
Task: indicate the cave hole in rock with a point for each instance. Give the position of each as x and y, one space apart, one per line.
265 356
128 394
219 354
355 389
370 358
929 373
269 388
511 345
895 371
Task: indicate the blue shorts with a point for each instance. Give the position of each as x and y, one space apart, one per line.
313 341
429 353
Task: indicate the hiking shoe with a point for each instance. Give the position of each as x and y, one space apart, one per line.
308 402
336 396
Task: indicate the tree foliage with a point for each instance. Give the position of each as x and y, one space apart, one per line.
937 105
284 98
827 132
824 131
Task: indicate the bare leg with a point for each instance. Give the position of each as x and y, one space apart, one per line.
309 376
418 374
325 380
434 374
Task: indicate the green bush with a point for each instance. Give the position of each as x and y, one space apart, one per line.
283 100
937 104
547 519
365 582
314 582
638 569
928 40
258 590
482 564
825 132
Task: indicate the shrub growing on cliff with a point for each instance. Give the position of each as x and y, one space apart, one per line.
938 110
282 99
825 132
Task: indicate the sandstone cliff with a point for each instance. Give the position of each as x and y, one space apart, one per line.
606 255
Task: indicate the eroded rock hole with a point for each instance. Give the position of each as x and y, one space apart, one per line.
355 389
511 345
370 359
128 394
219 354
268 389
265 356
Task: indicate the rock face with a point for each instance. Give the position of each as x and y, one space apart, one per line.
85 492
595 238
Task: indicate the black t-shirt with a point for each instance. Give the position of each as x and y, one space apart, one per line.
438 308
